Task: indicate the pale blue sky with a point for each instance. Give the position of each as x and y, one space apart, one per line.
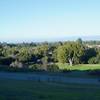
26 20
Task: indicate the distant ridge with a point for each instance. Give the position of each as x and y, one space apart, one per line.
54 39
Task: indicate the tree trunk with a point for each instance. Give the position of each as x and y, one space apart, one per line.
70 61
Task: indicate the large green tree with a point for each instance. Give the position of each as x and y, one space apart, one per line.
62 54
70 52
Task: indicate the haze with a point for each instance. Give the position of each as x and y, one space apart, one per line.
47 20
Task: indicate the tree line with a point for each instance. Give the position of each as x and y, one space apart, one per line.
46 55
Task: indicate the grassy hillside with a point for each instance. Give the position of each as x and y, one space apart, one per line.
29 90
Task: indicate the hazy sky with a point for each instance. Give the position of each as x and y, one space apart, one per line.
48 19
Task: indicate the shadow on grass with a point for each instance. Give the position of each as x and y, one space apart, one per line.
65 72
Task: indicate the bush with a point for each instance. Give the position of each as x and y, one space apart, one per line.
17 64
35 67
93 60
6 60
13 69
53 68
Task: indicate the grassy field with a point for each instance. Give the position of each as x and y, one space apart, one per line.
80 67
29 90
78 71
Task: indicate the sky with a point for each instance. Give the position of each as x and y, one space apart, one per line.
47 20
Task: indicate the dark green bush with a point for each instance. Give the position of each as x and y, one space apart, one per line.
6 60
93 60
53 68
35 67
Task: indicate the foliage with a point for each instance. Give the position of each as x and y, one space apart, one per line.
6 60
89 53
71 52
53 68
79 40
93 60
17 64
35 67
61 54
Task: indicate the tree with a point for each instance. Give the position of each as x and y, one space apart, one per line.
69 52
88 54
1 50
45 62
61 54
79 40
75 51
24 55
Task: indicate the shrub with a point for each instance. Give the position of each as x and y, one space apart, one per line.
16 64
53 68
35 67
93 60
6 60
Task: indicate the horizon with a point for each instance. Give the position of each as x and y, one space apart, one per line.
49 20
62 39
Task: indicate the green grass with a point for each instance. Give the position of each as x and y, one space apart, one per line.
29 90
80 67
